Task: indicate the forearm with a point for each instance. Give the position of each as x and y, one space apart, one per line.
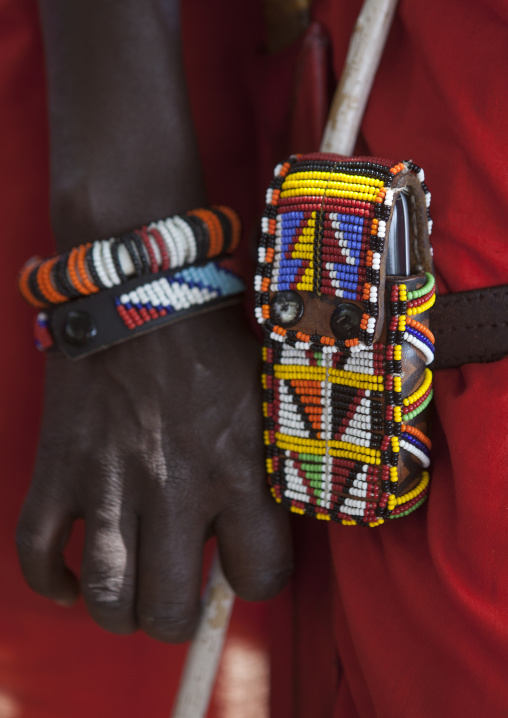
123 150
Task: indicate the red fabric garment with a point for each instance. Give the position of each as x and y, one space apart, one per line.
421 604
421 620
409 619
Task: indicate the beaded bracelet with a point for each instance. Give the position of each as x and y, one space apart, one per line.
346 350
105 292
167 244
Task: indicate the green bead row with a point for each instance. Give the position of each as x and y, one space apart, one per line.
417 293
419 409
409 511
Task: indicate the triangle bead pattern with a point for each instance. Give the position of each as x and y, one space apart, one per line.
335 419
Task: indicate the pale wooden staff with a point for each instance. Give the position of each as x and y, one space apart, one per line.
204 653
365 50
364 53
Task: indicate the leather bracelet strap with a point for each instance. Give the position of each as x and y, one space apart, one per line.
90 324
470 326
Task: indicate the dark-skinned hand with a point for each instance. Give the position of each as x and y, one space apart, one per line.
157 444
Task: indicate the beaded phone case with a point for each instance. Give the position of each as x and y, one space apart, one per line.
346 346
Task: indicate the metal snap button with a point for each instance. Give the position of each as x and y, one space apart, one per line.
345 321
286 308
79 328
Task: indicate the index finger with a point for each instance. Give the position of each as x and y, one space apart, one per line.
43 530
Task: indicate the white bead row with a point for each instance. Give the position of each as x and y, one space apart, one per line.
424 459
177 236
189 287
421 346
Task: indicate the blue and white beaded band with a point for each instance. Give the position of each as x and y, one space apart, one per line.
188 288
93 323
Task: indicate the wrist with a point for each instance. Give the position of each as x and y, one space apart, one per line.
88 209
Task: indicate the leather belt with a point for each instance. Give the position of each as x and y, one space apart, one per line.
470 326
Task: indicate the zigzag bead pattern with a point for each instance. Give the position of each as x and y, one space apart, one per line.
335 419
181 290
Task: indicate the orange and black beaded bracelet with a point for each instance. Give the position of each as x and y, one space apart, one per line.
174 242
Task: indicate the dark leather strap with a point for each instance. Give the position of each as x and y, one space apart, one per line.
470 326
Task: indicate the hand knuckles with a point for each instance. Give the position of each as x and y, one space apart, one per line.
171 623
109 594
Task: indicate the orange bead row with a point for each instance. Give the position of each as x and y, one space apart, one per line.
421 328
236 227
417 434
44 281
214 227
24 286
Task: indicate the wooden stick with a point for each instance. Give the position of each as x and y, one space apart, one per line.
365 50
204 653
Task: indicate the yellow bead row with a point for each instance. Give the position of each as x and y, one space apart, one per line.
424 482
341 373
427 381
422 308
353 383
347 446
339 449
312 373
295 509
337 177
323 517
355 456
307 446
336 376
301 254
323 185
